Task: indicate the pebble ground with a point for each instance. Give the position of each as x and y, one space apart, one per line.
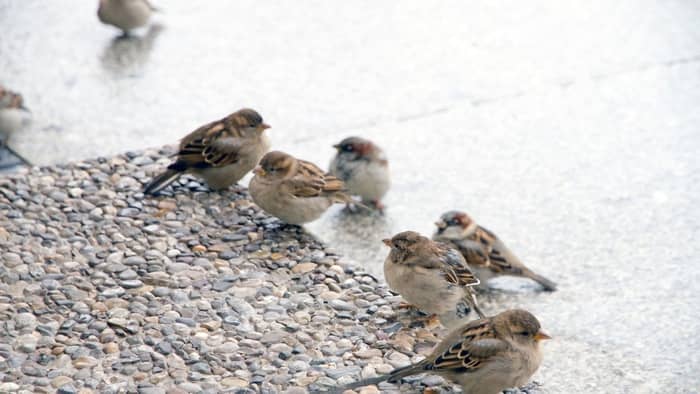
103 289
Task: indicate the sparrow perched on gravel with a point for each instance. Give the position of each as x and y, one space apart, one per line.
363 167
125 14
294 190
221 152
484 356
485 253
430 275
13 114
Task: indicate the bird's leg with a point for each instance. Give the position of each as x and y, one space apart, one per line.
471 300
475 306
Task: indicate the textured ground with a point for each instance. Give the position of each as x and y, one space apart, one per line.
569 128
102 289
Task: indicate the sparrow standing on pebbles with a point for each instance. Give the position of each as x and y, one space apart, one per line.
221 152
363 167
485 253
484 356
13 114
125 14
430 275
294 190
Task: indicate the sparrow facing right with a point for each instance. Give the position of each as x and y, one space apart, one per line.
295 191
430 275
363 167
484 356
221 152
13 113
485 253
125 14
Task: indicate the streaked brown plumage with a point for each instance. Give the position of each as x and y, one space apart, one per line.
485 253
221 152
483 356
296 191
430 275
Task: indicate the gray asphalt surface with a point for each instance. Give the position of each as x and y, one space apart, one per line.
569 128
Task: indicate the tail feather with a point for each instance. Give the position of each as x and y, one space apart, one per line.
161 181
392 377
547 284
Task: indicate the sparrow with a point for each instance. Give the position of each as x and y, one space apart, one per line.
363 167
125 14
295 191
430 275
13 114
221 152
484 356
485 253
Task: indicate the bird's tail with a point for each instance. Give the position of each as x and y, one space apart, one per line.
547 284
392 377
161 181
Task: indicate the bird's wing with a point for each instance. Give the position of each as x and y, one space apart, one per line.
456 269
473 346
476 254
501 259
310 181
216 144
448 261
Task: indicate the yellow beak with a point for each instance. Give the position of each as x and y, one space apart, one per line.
541 336
387 242
263 126
259 171
440 224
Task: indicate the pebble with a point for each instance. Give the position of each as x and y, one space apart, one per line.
107 290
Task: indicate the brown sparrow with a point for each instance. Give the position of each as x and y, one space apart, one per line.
485 253
484 356
430 275
363 167
125 14
294 190
221 152
13 114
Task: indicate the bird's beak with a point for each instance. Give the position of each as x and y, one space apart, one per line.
542 336
263 126
387 242
336 146
441 224
259 171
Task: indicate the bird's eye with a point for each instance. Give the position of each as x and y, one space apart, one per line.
347 148
524 334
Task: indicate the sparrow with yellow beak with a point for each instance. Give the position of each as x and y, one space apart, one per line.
484 356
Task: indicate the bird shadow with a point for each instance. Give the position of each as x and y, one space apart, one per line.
127 55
